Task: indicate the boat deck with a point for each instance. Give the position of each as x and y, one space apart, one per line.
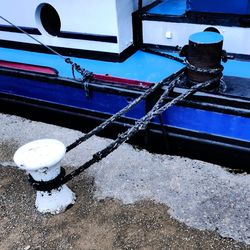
140 66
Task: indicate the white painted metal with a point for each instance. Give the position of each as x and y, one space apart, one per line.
111 18
99 17
236 39
124 10
41 159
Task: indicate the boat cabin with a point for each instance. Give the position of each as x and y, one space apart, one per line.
113 29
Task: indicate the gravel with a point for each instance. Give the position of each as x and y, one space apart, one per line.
189 194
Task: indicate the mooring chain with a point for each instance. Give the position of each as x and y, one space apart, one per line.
158 109
215 71
186 62
76 67
49 185
175 77
123 137
140 124
166 55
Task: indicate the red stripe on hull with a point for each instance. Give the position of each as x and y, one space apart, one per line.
29 68
54 72
129 82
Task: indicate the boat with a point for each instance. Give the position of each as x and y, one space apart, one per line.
78 63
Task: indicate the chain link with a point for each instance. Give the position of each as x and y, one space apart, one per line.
163 54
175 77
86 75
139 125
215 71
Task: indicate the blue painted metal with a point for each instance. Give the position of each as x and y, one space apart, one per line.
191 119
140 66
170 7
241 7
237 68
68 96
206 37
209 122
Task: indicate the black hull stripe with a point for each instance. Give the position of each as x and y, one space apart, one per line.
230 20
64 34
89 37
31 31
90 54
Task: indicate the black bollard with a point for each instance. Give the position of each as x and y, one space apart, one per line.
203 57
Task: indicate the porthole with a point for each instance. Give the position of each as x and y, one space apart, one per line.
48 19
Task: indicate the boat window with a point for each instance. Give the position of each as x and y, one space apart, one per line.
50 19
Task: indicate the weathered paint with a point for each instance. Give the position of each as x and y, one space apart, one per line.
41 159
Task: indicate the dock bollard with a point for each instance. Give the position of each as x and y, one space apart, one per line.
203 57
41 160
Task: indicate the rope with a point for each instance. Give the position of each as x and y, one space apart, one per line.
76 67
175 77
186 62
215 71
139 125
158 53
86 75
23 31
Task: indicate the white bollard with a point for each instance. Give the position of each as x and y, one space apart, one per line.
41 159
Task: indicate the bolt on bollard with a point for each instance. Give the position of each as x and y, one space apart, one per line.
41 160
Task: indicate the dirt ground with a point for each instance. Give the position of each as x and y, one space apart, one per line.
92 224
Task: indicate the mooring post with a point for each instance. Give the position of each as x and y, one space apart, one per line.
203 57
41 160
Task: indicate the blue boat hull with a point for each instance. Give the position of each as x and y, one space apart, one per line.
201 127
